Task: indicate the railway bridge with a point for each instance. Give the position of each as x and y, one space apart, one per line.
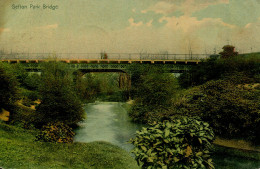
105 62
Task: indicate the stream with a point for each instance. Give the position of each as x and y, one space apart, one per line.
107 121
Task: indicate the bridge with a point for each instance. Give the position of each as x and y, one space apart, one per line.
105 62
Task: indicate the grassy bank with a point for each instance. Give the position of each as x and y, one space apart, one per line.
19 150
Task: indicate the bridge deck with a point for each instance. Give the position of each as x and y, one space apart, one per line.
103 61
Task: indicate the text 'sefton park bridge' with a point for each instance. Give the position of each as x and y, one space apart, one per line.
105 62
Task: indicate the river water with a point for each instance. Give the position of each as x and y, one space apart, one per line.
109 121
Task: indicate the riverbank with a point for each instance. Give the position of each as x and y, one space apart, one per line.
19 150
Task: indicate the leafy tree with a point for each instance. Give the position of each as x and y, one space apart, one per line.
228 52
182 143
9 92
59 102
152 89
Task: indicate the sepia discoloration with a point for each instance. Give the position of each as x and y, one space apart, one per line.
4 5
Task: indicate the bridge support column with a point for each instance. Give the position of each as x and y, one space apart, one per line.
123 81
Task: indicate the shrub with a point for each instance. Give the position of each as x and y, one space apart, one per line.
56 132
139 112
145 114
232 110
182 143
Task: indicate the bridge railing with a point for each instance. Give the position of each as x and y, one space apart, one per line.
112 56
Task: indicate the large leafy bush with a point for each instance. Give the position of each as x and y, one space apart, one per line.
182 143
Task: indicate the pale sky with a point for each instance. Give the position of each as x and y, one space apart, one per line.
130 26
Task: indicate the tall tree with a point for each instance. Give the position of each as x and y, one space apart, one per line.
59 102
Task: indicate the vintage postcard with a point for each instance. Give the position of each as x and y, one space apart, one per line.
129 84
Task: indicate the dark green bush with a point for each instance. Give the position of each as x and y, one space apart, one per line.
139 112
231 109
145 114
182 143
9 91
56 132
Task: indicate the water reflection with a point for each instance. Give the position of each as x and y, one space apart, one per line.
107 121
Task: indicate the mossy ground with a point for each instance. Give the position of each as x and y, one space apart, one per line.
19 150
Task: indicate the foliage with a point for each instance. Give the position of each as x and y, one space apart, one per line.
204 71
139 113
156 89
9 92
104 86
87 86
19 72
228 52
152 88
59 101
56 132
232 110
32 81
214 68
30 94
145 114
182 143
149 79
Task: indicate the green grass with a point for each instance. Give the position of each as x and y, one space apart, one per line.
19 150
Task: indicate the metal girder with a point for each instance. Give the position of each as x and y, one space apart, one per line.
107 67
